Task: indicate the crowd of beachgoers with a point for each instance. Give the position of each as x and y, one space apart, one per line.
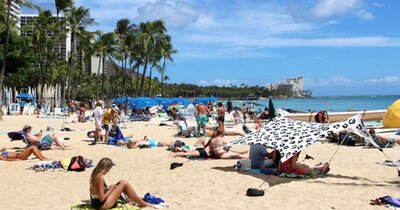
209 126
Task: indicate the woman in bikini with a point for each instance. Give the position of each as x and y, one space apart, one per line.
217 151
11 156
106 197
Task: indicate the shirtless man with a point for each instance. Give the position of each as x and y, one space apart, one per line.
36 139
201 117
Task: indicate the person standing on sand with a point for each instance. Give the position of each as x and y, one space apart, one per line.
98 120
229 106
244 112
201 117
221 117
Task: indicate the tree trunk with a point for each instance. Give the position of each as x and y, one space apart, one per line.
141 90
98 76
162 78
137 81
151 71
3 66
123 75
70 67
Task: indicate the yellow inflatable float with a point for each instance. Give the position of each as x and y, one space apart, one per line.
391 119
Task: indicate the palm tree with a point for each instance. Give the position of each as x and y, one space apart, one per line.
77 19
166 50
26 3
41 42
125 32
104 46
149 33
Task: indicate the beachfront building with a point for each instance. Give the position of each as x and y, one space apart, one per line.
297 86
62 48
15 12
293 87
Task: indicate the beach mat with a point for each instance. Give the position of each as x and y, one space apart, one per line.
120 206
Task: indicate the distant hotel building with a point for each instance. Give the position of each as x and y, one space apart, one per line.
294 86
14 12
62 48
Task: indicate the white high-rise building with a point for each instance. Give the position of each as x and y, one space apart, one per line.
63 47
15 10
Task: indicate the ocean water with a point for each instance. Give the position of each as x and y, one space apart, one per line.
330 103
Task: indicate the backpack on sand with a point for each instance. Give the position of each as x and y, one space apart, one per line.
77 164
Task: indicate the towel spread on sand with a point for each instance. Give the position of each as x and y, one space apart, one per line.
121 206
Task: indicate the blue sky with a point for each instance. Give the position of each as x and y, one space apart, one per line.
340 47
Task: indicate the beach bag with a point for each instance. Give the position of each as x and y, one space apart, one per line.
77 164
243 165
43 146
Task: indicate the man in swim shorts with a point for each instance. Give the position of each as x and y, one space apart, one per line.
201 116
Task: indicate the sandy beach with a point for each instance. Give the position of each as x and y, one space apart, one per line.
354 179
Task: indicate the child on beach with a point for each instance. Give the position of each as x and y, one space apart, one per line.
103 196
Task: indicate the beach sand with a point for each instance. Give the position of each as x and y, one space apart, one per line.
354 179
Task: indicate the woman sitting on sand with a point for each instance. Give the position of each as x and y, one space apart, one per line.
291 166
11 156
106 197
217 150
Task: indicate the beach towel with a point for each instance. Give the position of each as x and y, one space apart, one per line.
120 206
391 163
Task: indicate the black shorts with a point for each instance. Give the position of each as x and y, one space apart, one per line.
202 152
222 119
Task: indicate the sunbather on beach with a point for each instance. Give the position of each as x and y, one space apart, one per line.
50 140
103 196
197 150
11 156
384 139
291 166
147 143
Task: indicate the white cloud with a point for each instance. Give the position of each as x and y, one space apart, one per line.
175 14
330 8
378 4
250 41
218 82
389 80
339 81
364 14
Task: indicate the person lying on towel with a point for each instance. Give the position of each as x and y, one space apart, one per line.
292 166
11 156
197 150
147 143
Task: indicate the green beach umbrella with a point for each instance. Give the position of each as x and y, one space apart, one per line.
271 109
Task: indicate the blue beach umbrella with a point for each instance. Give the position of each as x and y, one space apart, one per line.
184 101
25 96
142 103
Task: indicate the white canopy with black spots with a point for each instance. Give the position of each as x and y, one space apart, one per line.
291 136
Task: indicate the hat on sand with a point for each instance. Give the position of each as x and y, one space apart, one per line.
26 127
